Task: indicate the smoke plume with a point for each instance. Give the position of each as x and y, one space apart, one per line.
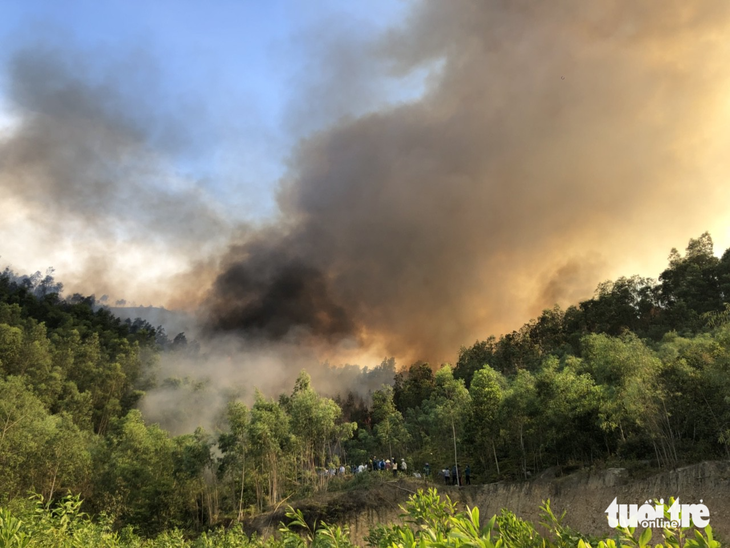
555 139
553 145
87 164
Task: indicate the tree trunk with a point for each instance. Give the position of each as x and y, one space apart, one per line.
524 456
456 457
243 477
274 480
53 483
496 461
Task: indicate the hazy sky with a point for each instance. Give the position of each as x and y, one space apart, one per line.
237 84
399 177
234 69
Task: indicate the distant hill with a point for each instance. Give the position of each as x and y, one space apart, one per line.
173 321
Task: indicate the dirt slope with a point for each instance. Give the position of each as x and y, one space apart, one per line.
584 495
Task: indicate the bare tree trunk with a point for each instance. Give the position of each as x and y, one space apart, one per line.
259 494
53 483
524 456
456 457
210 491
672 443
496 461
8 425
274 480
656 452
243 477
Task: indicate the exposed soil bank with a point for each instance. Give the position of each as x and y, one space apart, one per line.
585 495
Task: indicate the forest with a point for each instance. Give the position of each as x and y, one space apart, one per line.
638 374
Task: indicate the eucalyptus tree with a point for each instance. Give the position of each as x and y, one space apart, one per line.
487 393
632 401
568 401
270 442
314 420
449 407
234 445
137 473
517 416
389 425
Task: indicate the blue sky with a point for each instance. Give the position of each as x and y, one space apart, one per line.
237 65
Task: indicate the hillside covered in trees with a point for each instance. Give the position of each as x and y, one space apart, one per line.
640 372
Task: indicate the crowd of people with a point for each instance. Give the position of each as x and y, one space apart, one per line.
374 464
385 465
456 475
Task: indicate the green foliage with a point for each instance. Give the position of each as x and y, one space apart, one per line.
411 388
357 482
314 418
388 423
639 373
428 520
298 533
12 534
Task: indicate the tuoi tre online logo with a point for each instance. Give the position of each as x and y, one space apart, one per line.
646 515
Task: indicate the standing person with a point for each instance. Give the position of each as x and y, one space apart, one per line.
446 474
467 474
403 466
426 471
395 468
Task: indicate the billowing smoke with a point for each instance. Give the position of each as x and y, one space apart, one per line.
554 145
555 140
88 165
271 292
192 390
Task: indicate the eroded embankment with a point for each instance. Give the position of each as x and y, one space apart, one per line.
584 495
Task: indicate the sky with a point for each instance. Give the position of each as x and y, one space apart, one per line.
237 63
371 178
